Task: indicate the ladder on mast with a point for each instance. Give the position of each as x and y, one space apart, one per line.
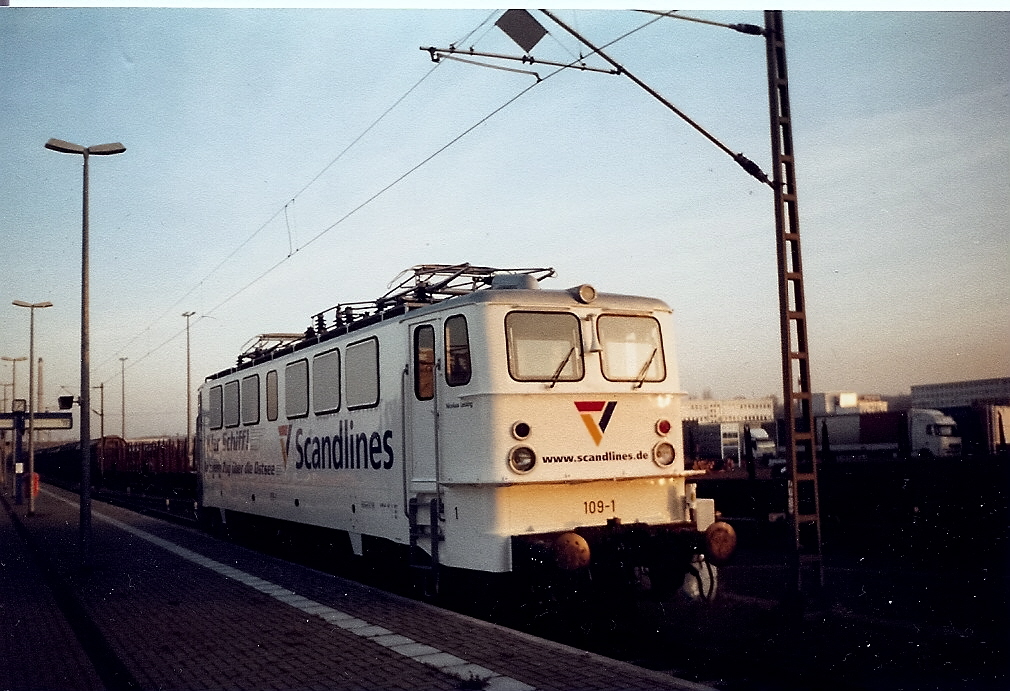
801 462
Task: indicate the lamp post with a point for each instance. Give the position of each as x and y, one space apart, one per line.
63 147
122 410
189 397
14 394
32 306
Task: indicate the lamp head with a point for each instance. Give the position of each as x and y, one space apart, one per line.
106 149
64 147
96 150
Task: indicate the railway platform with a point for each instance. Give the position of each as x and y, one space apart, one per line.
163 606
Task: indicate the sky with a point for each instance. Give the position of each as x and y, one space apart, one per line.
281 161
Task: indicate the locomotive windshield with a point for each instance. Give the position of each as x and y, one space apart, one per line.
544 346
547 346
632 348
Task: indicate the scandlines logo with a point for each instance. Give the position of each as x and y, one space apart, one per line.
596 426
284 431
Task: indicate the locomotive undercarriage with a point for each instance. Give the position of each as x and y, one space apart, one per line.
633 558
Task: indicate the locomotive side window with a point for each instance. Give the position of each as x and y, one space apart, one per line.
296 389
424 363
272 395
214 408
544 346
251 400
632 348
362 374
231 404
326 382
457 351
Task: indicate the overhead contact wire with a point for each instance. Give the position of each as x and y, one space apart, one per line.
266 223
377 194
419 165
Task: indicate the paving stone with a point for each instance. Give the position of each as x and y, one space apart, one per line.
179 609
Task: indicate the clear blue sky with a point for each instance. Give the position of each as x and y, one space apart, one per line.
900 124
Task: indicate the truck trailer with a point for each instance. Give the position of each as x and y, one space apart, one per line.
984 428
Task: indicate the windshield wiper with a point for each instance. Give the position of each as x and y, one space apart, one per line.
645 369
561 367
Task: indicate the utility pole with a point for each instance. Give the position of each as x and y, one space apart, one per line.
189 396
122 374
101 412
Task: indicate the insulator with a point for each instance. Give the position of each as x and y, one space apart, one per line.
751 29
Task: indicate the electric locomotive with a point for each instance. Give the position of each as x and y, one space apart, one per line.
471 421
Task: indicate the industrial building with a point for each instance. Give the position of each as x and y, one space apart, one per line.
847 403
961 393
707 411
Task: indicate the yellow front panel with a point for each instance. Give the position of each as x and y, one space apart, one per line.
480 521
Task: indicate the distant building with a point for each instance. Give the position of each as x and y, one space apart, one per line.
847 403
961 393
706 410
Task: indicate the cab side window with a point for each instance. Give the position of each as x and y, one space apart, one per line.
424 363
457 351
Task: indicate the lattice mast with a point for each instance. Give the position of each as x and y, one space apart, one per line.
801 461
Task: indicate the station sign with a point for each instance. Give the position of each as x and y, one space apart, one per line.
41 420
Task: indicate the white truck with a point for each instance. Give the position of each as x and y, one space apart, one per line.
916 433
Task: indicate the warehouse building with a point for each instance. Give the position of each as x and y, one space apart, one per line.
961 393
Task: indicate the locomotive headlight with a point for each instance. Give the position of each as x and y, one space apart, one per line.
584 293
521 430
522 459
663 454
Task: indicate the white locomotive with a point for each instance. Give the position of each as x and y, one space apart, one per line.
469 420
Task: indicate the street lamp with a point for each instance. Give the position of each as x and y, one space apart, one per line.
85 522
32 306
189 397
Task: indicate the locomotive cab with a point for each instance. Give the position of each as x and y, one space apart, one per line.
556 442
